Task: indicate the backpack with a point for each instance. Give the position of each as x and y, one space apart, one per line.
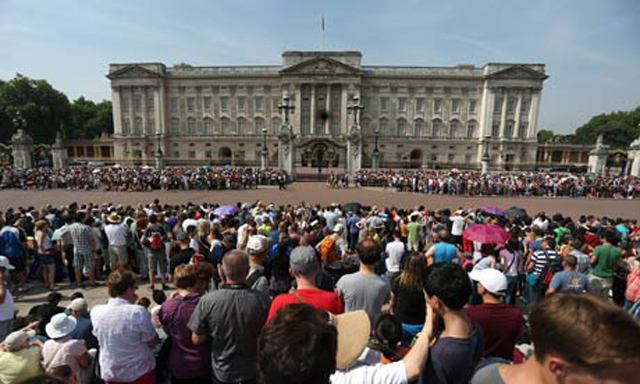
546 275
156 241
327 250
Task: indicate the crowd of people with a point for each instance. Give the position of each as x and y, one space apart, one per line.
142 178
473 183
311 294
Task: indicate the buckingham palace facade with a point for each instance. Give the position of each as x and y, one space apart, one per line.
410 116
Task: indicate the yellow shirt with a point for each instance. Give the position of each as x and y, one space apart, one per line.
16 367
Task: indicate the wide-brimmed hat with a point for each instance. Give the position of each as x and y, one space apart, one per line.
16 339
114 218
4 263
354 329
60 325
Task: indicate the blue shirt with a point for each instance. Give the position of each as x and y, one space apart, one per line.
570 281
443 253
351 222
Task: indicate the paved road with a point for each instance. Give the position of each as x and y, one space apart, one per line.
320 194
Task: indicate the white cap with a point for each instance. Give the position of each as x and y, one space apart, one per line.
338 228
4 263
257 244
491 279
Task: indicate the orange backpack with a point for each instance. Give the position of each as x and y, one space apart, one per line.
327 250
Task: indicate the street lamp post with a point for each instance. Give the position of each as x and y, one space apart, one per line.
265 151
376 151
159 154
287 108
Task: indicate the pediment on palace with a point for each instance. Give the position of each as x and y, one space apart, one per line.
133 72
519 72
321 66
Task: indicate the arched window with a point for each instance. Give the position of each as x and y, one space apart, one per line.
275 126
454 128
174 128
383 127
508 132
191 126
418 127
138 128
242 126
401 127
224 126
208 126
126 126
471 128
435 128
258 125
522 131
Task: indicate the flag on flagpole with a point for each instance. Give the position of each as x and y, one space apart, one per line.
323 23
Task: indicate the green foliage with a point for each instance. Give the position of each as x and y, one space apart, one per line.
619 129
47 111
545 136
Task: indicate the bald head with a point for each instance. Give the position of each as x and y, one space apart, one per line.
235 265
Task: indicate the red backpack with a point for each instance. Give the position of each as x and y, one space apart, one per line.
156 241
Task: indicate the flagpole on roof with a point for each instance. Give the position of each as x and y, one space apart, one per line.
323 31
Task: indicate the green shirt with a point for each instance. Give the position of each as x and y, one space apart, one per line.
607 257
414 232
561 231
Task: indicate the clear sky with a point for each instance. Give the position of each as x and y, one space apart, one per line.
591 47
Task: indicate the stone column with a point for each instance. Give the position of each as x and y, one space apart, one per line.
503 114
116 111
343 110
286 154
486 117
312 116
517 119
534 110
327 107
298 104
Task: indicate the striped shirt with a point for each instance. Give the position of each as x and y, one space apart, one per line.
540 259
80 235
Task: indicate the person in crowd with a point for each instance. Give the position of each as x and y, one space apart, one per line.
539 259
442 251
46 253
575 247
407 297
332 249
569 280
81 236
395 251
303 345
365 289
7 307
15 249
500 322
510 258
458 343
153 241
118 237
185 254
188 363
257 247
84 329
62 349
604 260
277 266
125 334
44 312
232 318
413 233
304 267
20 357
562 353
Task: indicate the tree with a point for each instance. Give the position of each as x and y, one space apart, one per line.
89 119
545 136
619 129
44 108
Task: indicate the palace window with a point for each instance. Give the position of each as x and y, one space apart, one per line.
138 103
455 105
511 105
242 126
274 104
224 126
453 130
192 154
417 128
275 126
420 105
150 106
437 105
509 131
383 104
402 104
524 107
241 104
207 103
450 157
176 154
495 130
174 104
174 128
208 126
191 104
191 126
258 125
258 103
125 104
126 126
435 129
401 128
383 127
207 154
151 126
138 126
497 107
522 131
472 106
470 130
224 104
467 159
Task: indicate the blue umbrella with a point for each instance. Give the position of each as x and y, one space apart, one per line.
225 210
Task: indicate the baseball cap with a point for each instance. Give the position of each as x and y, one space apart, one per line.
4 263
303 259
257 244
491 279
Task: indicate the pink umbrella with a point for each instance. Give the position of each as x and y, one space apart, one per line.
487 234
493 211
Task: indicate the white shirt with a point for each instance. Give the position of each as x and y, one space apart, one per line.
117 233
395 251
393 373
458 225
189 222
7 308
123 330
